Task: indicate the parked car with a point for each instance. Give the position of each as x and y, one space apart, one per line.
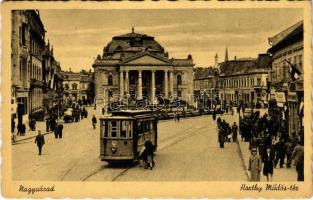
68 115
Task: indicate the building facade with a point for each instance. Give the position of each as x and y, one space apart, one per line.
77 86
52 79
32 66
245 80
206 84
136 66
287 54
28 42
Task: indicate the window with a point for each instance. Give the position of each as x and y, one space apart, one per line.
179 80
66 86
300 61
110 80
21 70
113 129
110 93
130 129
74 86
23 36
124 125
258 82
179 93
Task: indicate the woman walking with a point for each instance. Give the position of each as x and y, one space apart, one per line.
255 165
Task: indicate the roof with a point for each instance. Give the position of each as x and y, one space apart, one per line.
132 35
235 67
138 55
202 73
131 42
124 48
282 35
182 62
70 76
85 78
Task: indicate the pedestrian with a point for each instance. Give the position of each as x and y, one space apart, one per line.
178 117
34 124
56 132
228 132
60 130
298 157
86 113
149 148
221 137
52 123
23 129
40 141
12 125
219 121
47 124
238 109
82 113
255 165
243 108
94 121
289 150
280 153
268 161
30 123
234 129
214 115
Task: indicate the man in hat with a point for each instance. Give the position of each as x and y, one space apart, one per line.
40 141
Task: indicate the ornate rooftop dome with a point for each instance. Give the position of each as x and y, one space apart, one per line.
132 43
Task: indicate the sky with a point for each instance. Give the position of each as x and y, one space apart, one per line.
78 36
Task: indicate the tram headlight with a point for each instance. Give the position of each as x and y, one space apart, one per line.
113 147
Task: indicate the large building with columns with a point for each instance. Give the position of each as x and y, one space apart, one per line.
136 66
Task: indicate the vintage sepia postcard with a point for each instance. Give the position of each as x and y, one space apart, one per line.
156 99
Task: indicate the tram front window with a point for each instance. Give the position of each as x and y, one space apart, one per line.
124 129
113 129
105 129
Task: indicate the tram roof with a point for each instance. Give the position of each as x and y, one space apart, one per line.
127 114
130 112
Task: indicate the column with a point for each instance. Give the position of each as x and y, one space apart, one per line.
171 84
139 84
121 84
152 86
126 82
165 84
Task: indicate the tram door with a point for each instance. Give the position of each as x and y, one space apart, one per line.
145 129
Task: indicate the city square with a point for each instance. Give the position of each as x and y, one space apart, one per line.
159 97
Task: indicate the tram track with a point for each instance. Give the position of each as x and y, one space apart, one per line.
167 142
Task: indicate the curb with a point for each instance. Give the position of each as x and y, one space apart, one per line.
17 141
243 160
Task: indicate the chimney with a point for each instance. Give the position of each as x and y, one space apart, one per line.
235 58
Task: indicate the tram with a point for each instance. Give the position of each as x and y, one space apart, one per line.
123 134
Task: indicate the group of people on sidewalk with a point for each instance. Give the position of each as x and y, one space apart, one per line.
21 128
269 145
226 132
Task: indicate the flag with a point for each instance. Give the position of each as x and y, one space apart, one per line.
294 71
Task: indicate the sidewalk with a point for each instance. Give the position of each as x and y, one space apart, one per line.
32 134
280 174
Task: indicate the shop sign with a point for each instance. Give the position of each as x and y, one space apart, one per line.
292 97
280 97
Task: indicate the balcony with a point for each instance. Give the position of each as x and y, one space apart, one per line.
36 83
24 51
